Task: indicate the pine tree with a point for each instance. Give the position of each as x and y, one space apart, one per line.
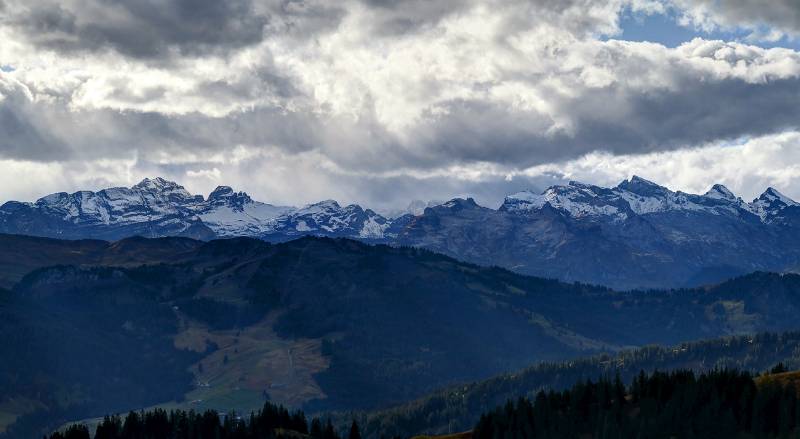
316 429
354 432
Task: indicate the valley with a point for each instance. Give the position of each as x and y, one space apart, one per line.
319 323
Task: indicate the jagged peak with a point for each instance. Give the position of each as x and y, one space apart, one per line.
720 192
635 195
331 203
320 206
221 191
157 183
226 195
460 203
772 195
524 200
641 186
580 185
640 180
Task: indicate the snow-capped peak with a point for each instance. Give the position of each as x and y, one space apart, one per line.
576 199
720 192
231 213
770 203
157 183
772 195
460 203
164 189
635 196
322 206
526 196
221 192
640 186
226 195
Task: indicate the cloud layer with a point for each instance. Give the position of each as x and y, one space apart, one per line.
373 101
140 29
767 20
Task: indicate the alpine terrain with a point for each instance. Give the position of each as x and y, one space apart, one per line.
637 234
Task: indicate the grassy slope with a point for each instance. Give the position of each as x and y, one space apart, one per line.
258 361
786 379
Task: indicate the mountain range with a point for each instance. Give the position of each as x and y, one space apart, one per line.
637 234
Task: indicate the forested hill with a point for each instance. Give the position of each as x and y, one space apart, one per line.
720 404
343 325
583 398
270 422
458 408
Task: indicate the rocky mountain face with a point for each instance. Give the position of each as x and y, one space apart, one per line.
151 208
157 208
635 235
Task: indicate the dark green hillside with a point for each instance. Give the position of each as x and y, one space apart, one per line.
20 255
719 404
326 324
66 355
458 408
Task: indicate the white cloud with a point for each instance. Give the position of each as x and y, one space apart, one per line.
766 20
747 167
312 100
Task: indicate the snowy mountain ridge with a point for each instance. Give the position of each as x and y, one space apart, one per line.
225 212
638 196
636 234
229 213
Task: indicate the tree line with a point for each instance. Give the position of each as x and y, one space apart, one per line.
272 421
722 404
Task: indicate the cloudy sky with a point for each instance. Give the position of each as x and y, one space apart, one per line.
381 102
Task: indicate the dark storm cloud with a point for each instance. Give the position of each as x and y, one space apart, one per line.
266 80
611 119
48 130
397 17
703 111
631 113
26 134
303 19
142 28
23 138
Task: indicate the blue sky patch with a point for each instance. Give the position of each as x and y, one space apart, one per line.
664 29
